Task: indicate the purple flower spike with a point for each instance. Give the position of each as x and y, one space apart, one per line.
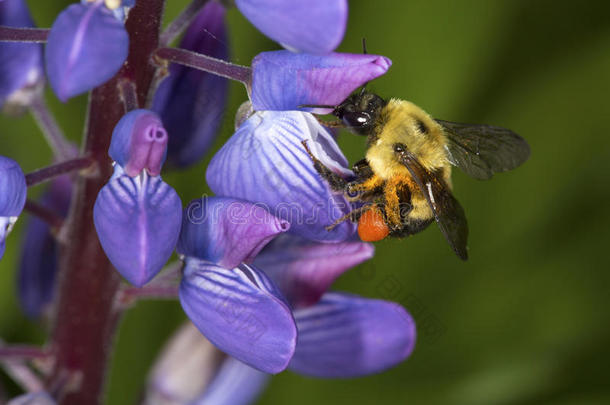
348 336
21 67
313 26
137 220
304 270
235 384
13 191
241 312
282 80
87 45
265 162
139 142
38 266
191 102
227 231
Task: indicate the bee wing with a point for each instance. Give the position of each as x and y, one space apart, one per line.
448 212
482 150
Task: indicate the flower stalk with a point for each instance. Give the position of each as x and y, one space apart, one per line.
177 26
50 129
86 317
12 34
50 172
206 63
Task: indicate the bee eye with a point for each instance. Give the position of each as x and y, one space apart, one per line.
421 127
399 148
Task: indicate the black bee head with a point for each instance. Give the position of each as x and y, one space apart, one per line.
360 111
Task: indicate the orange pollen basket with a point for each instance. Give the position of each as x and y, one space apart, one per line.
371 226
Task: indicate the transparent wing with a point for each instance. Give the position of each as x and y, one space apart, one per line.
448 212
482 150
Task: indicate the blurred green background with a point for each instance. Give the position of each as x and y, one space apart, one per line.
525 320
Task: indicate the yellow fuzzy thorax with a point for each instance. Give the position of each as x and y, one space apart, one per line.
398 123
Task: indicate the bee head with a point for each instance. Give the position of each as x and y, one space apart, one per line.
360 111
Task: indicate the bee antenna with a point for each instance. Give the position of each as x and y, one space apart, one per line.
364 52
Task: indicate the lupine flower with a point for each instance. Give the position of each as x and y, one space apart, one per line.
304 270
87 45
190 370
283 80
12 197
38 266
313 26
345 336
234 304
21 71
191 102
265 162
137 215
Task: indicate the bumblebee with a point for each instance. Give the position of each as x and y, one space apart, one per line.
404 182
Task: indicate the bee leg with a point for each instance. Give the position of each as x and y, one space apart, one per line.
358 189
336 182
352 216
392 205
331 124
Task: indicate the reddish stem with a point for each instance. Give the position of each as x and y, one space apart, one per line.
50 172
12 34
23 352
215 66
86 317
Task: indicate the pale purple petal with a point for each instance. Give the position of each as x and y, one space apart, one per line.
192 102
348 336
38 266
304 270
34 398
265 162
314 26
227 231
12 197
12 188
185 367
139 142
283 80
87 45
21 67
241 312
138 222
235 384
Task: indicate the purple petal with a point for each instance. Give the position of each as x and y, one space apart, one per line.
304 270
12 188
138 222
313 26
139 142
186 365
87 45
191 102
348 336
265 162
227 231
38 266
21 67
241 312
282 80
12 197
34 398
235 384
